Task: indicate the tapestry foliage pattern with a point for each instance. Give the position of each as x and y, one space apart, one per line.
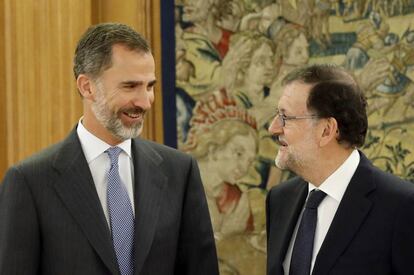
230 58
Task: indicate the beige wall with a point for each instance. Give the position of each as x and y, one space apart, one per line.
40 103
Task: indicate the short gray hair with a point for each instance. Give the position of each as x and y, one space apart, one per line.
93 53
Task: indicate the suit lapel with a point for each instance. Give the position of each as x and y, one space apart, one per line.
76 189
149 182
285 219
352 210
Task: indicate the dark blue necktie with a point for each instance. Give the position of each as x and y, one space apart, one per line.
120 215
300 263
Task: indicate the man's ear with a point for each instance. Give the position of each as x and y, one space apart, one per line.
330 131
85 86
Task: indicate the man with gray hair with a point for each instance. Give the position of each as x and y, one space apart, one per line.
104 201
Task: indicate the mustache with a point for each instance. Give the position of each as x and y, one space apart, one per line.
134 110
280 141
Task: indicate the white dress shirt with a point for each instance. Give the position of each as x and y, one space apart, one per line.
334 187
99 164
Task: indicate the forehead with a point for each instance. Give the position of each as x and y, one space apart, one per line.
131 62
294 98
122 55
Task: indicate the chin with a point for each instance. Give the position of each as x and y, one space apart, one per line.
127 133
280 165
281 162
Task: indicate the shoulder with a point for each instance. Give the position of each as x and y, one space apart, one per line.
32 171
161 153
40 159
41 164
289 187
388 192
160 148
392 186
386 184
180 168
286 195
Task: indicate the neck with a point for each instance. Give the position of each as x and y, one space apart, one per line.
327 163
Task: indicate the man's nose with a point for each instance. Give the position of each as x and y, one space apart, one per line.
275 127
144 99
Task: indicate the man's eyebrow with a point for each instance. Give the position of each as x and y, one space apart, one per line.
137 82
131 82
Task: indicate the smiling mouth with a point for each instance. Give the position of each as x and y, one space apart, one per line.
133 115
130 117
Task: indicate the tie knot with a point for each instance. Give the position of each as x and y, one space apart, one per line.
113 154
315 198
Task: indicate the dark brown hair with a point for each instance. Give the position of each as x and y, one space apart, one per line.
335 93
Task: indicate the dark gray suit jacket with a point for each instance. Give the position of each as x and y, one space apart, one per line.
52 222
372 232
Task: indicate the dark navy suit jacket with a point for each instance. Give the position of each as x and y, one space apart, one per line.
52 222
372 232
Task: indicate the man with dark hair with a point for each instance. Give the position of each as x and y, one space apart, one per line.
341 215
104 201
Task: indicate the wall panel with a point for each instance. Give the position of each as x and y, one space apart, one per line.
3 134
42 103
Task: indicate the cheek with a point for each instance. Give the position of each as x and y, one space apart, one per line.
307 143
110 104
116 105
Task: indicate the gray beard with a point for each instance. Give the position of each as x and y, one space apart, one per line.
111 121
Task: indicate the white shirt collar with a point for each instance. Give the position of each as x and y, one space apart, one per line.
93 146
336 184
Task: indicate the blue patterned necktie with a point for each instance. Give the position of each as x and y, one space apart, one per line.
120 215
300 263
